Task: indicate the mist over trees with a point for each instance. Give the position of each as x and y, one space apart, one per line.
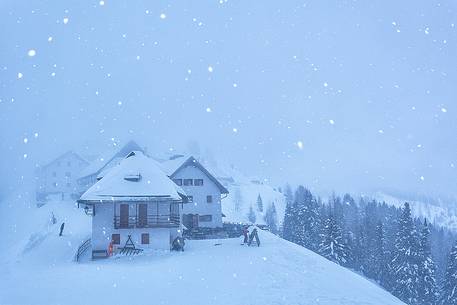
410 257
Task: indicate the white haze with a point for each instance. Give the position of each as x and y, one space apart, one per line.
337 95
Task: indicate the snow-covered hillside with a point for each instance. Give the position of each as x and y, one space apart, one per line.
243 193
436 212
26 228
208 272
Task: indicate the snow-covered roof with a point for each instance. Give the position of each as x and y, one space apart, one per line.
135 178
66 154
172 166
109 159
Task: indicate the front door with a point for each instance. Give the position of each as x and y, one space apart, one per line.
195 221
124 216
142 215
190 221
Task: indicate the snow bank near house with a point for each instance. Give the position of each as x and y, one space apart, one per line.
28 231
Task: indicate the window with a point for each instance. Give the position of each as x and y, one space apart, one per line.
188 182
145 239
198 182
209 199
190 198
68 184
116 239
178 181
68 174
54 174
205 218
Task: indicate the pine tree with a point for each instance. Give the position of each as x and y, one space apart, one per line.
380 262
449 289
405 263
332 246
271 218
306 226
290 218
368 243
259 203
428 292
251 215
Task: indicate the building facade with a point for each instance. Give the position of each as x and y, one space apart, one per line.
203 190
59 177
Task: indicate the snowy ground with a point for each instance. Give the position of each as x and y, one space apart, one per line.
276 273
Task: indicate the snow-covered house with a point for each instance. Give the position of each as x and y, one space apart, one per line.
134 198
204 191
104 163
58 177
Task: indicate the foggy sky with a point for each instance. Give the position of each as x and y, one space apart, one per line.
337 95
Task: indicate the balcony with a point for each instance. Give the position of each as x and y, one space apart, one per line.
147 221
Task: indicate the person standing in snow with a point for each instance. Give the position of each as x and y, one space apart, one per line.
245 233
61 228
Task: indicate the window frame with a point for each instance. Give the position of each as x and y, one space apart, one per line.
145 239
116 238
187 181
198 182
205 218
209 198
178 182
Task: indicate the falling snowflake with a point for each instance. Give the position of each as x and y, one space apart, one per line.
208 109
331 122
163 16
26 140
235 130
210 69
443 110
65 20
422 178
101 3
50 38
19 75
31 53
300 144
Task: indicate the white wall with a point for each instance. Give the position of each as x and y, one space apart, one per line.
199 205
103 228
60 176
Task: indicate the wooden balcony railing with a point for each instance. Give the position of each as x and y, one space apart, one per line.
149 221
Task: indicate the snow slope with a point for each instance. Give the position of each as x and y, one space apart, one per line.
244 190
438 213
248 192
27 231
208 272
